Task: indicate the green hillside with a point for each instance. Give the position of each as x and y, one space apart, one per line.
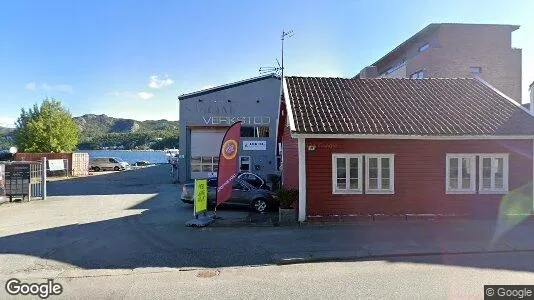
101 131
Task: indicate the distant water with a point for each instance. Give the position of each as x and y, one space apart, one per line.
129 156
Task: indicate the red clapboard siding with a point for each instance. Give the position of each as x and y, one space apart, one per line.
290 168
419 176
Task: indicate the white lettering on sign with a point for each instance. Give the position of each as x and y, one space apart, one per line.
56 165
254 145
226 120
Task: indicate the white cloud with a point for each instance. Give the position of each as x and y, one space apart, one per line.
157 83
145 95
7 121
124 95
63 88
30 86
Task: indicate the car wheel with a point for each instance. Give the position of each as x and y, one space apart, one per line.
97 169
116 169
260 205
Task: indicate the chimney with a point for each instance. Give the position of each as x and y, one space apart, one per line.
531 89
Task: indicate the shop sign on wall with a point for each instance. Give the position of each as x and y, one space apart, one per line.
223 120
254 145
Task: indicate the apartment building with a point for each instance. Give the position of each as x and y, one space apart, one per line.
445 50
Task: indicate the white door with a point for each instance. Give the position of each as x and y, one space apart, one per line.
205 147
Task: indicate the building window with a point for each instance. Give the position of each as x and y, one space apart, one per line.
460 170
418 75
347 174
379 171
493 173
475 70
262 131
424 47
255 131
394 68
204 164
244 164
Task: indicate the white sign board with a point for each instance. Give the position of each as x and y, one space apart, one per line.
254 145
56 165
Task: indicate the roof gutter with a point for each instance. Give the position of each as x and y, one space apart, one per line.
410 137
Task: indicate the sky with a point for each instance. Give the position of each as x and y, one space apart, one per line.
131 59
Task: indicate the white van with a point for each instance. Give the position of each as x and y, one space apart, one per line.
108 163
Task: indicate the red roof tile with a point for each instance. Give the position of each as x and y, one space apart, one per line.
426 107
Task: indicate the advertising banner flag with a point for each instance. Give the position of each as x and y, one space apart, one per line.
227 171
201 195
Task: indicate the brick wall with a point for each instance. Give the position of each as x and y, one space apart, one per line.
488 47
419 177
456 47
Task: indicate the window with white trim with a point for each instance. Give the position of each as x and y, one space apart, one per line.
347 173
418 75
460 177
493 173
379 174
475 70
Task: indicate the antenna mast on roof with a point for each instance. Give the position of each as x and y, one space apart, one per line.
280 68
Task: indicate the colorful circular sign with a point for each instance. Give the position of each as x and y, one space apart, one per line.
229 150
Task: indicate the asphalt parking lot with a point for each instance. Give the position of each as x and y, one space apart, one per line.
128 219
134 221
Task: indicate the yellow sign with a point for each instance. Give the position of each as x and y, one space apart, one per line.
201 195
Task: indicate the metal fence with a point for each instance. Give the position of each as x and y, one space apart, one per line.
22 180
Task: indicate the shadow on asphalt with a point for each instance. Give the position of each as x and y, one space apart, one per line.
158 238
137 181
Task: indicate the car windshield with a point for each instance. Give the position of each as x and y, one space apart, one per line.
118 159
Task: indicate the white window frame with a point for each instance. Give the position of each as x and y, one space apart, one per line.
460 156
473 68
418 75
347 157
379 190
506 170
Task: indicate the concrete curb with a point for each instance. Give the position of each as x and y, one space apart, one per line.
294 261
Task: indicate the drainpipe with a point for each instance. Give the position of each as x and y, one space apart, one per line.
302 179
531 89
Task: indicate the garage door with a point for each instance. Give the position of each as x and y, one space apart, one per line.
205 146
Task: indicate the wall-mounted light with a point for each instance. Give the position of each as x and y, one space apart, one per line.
229 100
311 147
257 101
199 100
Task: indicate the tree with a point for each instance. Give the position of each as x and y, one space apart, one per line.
46 128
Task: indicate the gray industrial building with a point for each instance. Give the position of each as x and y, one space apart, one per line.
205 115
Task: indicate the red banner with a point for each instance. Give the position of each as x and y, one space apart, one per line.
228 162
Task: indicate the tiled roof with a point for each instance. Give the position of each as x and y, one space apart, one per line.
420 107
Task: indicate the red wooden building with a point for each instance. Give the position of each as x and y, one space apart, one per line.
406 147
